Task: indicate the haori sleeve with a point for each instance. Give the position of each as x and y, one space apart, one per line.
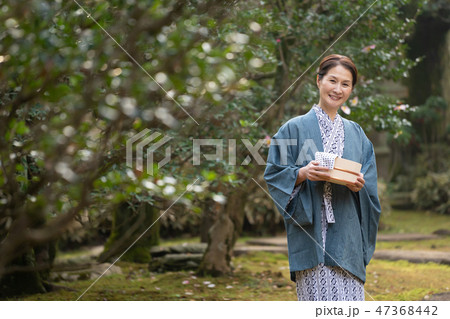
293 203
368 200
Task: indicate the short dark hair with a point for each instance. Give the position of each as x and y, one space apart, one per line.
333 60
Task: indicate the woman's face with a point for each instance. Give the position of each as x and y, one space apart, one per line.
335 88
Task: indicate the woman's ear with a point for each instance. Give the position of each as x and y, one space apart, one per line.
318 81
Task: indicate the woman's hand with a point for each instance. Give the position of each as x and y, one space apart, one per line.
312 172
359 184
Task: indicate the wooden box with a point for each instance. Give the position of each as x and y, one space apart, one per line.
344 171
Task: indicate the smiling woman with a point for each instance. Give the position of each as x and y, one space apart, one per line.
331 229
335 86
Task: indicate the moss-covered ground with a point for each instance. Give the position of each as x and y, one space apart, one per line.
257 276
399 221
412 221
265 276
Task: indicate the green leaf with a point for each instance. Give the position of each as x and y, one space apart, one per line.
22 128
209 175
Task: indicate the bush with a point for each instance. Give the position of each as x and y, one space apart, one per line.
432 160
433 192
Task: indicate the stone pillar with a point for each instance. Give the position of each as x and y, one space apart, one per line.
382 154
445 79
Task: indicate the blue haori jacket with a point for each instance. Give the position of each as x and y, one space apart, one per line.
350 241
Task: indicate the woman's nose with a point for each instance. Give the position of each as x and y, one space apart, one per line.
338 88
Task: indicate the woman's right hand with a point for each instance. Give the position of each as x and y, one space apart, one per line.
313 172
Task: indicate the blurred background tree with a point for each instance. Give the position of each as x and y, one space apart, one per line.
419 162
78 82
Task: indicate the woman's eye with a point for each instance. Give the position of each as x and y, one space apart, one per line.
332 81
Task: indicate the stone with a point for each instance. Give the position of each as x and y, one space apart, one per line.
240 250
88 273
177 257
270 241
194 248
445 296
406 237
414 256
158 251
198 248
442 232
175 262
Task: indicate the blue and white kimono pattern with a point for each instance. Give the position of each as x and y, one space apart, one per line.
323 283
339 272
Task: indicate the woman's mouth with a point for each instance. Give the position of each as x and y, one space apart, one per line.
334 98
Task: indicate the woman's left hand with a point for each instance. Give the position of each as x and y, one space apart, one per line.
359 184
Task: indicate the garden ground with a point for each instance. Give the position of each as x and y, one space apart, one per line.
265 276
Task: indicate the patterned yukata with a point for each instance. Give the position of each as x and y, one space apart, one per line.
325 283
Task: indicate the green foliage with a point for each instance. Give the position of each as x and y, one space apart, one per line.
433 192
72 95
376 44
433 159
429 120
426 151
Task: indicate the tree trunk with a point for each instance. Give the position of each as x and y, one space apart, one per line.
36 264
210 214
445 80
223 235
129 222
29 271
